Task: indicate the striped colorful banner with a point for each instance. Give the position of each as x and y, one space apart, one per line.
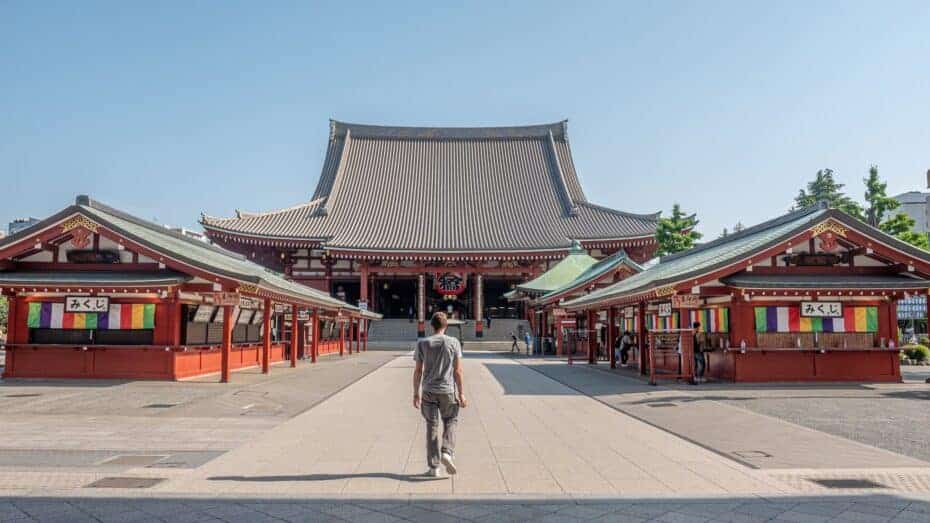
656 322
788 319
628 324
120 317
712 320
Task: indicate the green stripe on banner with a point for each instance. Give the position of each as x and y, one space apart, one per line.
760 319
871 319
90 320
816 324
148 316
726 321
35 315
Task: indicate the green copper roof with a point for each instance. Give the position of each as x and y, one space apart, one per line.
593 273
570 267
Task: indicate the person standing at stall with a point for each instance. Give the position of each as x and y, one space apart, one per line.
700 364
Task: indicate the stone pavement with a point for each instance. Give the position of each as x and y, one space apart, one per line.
523 434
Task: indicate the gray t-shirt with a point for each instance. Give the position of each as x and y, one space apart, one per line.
438 354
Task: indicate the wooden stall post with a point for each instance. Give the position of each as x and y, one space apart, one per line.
342 338
227 343
315 343
350 327
612 335
266 337
294 328
641 336
592 337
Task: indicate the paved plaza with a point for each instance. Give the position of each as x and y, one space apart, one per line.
541 440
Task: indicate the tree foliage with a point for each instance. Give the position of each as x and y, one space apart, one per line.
676 233
824 188
878 203
876 211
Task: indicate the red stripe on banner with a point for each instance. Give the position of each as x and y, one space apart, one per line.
67 320
125 316
794 319
849 319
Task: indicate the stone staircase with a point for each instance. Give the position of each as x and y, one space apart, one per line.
403 330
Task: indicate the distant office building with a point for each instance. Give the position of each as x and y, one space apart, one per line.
916 204
21 223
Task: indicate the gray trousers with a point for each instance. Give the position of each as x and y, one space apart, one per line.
439 408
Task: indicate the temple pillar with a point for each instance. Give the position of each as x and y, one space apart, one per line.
641 337
421 305
479 305
363 284
315 330
612 335
226 355
294 327
266 337
592 336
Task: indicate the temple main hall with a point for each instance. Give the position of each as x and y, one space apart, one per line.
408 220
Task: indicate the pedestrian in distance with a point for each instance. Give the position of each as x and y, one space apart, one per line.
513 345
699 362
438 391
626 343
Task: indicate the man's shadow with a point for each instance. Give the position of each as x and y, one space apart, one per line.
408 478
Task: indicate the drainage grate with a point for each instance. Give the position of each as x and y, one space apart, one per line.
662 405
159 405
21 395
132 460
752 454
846 483
125 482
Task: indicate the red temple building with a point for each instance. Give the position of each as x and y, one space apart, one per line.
95 292
407 220
808 296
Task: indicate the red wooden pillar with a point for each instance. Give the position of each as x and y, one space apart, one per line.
228 327
611 335
342 338
350 325
294 327
558 336
315 330
421 305
641 335
363 283
592 337
266 337
893 317
479 305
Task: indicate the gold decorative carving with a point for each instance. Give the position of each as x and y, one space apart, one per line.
78 221
828 226
248 288
665 291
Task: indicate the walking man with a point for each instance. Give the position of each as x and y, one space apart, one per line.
438 372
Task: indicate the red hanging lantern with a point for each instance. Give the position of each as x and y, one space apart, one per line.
449 283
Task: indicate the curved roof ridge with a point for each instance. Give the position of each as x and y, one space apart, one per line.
242 215
642 216
558 129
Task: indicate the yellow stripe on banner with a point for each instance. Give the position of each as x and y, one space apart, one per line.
804 325
138 315
861 321
79 320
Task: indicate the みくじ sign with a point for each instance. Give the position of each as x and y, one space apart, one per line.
87 304
821 309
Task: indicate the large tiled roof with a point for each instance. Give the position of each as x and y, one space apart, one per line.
444 190
190 252
726 251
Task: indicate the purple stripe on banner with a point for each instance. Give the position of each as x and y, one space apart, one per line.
828 324
771 319
103 320
45 317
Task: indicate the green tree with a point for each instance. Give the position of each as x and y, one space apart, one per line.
676 233
824 188
876 198
901 226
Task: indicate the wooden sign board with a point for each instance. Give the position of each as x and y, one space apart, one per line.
87 304
686 301
303 315
665 309
821 309
628 312
224 298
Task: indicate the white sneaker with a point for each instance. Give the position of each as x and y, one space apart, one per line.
433 473
447 461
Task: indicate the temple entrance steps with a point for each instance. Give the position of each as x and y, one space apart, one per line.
405 330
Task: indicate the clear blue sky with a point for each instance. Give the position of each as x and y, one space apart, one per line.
168 109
